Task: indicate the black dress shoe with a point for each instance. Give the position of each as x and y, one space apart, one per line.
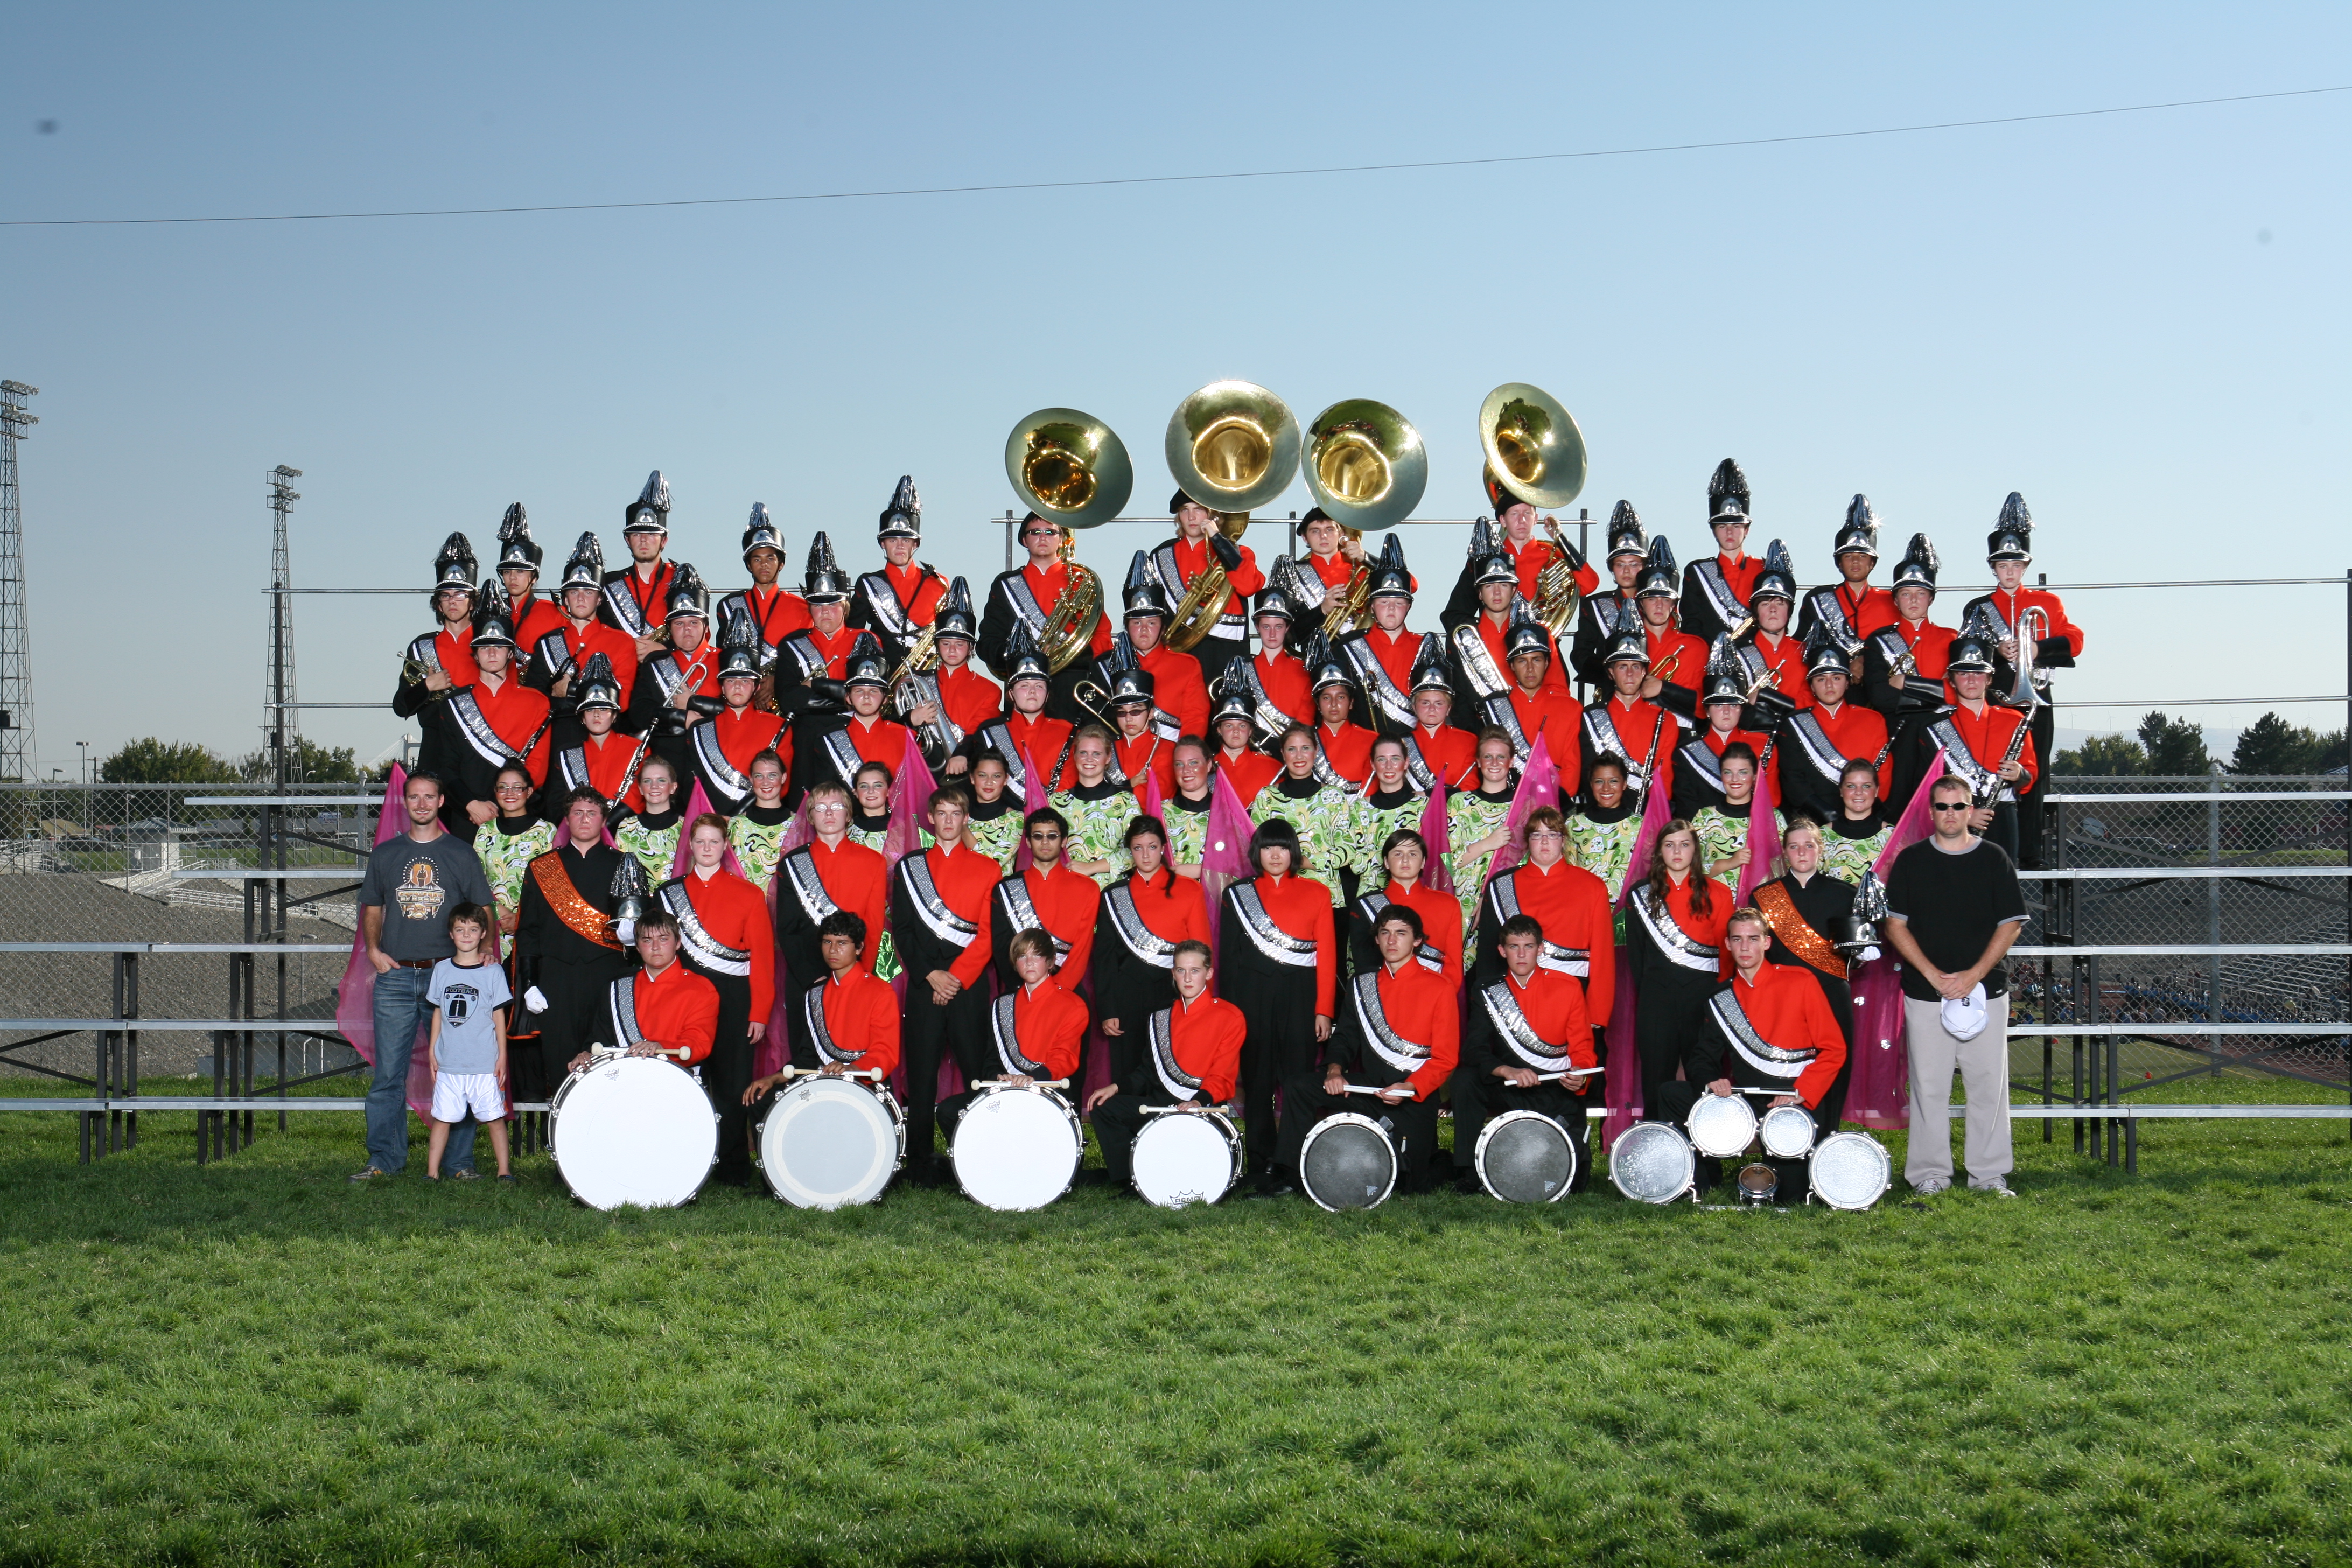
1468 1183
1273 1184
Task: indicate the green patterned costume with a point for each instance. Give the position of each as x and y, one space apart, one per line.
1470 817
506 856
1847 859
1098 828
1720 837
1329 828
757 846
997 837
1606 849
1373 826
1188 833
655 848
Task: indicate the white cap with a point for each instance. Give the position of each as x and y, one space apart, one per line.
1965 1017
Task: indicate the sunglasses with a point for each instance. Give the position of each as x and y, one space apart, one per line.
1944 805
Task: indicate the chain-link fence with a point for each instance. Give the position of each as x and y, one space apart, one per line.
2209 863
130 863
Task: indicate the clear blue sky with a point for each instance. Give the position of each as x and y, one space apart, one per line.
2140 321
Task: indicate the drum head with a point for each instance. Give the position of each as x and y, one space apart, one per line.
1652 1162
1017 1148
1186 1158
636 1130
1347 1163
1788 1132
1758 1183
1721 1126
1850 1170
1525 1157
827 1141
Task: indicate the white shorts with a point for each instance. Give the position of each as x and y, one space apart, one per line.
455 1093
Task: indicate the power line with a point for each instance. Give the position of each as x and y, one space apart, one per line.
1187 179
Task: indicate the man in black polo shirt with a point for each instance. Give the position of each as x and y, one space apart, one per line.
1953 909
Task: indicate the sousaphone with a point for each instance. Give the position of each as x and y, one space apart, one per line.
1233 447
1367 468
1535 454
1073 470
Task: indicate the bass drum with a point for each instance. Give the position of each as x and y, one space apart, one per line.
633 1130
1788 1132
1721 1126
1187 1157
1526 1157
1017 1147
1851 1171
1347 1163
1652 1162
827 1143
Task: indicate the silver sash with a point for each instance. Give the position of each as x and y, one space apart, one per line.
1180 1084
1503 716
574 760
890 617
1326 774
1702 759
1984 783
1600 739
1727 605
1393 704
1477 664
475 726
820 1035
1270 722
554 655
997 737
1312 590
804 654
624 605
1754 1048
1023 600
1402 1056
1268 937
1671 939
426 651
710 759
1503 897
1374 905
1814 744
1139 938
621 1006
1830 612
843 754
707 950
740 602
1008 1043
930 907
800 874
1023 912
1511 1023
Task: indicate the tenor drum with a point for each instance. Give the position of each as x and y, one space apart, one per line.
1788 1132
1721 1126
1347 1163
1187 1157
1850 1170
1526 1157
1652 1162
1017 1147
633 1130
827 1143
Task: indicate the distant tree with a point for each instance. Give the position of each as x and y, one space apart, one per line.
152 761
309 762
2271 745
2332 752
2103 757
2175 747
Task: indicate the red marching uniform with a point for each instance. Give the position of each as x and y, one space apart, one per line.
1146 756
861 1015
1787 1008
1348 748
1061 902
1989 732
852 877
1050 1026
2011 605
1440 925
1554 1006
1177 688
1285 681
1785 656
1048 585
969 698
1689 653
1857 732
1250 772
742 733
1301 908
1396 652
1528 559
1631 728
1205 1037
735 913
1192 558
1559 719
1426 1009
883 741
1491 634
515 712
1573 906
535 618
1865 611
775 613
1045 742
678 1009
1449 752
812 647
919 589
572 646
966 881
651 594
606 761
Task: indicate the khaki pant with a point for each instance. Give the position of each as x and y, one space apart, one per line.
1983 1066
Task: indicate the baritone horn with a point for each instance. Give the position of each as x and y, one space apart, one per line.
1536 454
1233 447
1073 470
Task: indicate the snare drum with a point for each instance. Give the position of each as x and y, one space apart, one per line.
827 1143
633 1130
1850 1170
1788 1132
1526 1157
1187 1157
1017 1147
1652 1162
1721 1126
1347 1163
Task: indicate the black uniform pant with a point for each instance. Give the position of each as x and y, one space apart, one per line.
800 1047
1556 1100
1278 1013
2004 830
1672 1029
933 1033
1118 1121
2043 726
579 1011
727 1073
1412 1125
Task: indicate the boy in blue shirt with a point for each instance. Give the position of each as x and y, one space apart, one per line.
468 1044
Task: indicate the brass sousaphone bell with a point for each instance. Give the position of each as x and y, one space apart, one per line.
1367 468
1535 454
1073 470
1233 447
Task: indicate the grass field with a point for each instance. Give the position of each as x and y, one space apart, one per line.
255 1361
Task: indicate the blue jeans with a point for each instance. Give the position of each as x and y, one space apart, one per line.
401 1010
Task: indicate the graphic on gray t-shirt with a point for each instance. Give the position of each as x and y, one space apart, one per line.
470 1001
417 885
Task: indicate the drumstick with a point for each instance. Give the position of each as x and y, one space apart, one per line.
867 1074
1366 1089
1568 1072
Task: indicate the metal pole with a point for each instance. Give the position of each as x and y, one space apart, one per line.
1012 541
2348 815
2213 912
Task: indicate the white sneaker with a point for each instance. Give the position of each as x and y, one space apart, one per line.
1930 1187
1998 1187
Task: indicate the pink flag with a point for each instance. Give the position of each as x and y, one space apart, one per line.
1763 844
1033 794
1225 849
1877 1092
355 996
1433 834
1621 1084
1538 785
696 804
910 806
1655 814
1155 799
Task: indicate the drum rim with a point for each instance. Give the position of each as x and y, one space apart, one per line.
1691 1132
1887 1172
1523 1113
1783 1112
892 1117
1345 1119
580 1075
1690 1153
982 1094
1222 1125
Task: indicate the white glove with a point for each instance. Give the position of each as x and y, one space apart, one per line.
1867 955
627 931
535 999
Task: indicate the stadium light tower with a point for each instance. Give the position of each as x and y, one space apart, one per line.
18 758
281 720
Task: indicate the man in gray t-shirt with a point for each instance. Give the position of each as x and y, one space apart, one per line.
411 884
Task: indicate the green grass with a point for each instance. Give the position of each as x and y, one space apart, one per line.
255 1361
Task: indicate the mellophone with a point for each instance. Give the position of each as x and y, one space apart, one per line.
629 1130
